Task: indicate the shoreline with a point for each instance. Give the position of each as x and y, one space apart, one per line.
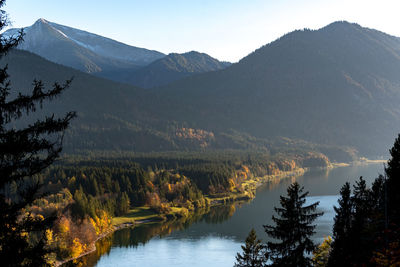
93 244
249 193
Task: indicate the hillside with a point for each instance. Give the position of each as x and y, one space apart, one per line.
334 90
339 85
117 117
110 59
171 68
110 115
82 50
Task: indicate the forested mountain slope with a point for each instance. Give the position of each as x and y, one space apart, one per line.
326 90
110 115
171 68
338 85
118 117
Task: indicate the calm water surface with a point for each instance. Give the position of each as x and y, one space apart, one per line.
213 238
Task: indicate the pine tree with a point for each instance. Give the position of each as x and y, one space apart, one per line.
362 206
342 228
393 182
253 252
123 204
24 152
293 228
366 230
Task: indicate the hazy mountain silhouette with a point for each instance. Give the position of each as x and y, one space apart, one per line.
337 85
171 68
115 116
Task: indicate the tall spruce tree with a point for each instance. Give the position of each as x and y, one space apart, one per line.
254 254
293 229
343 221
393 183
366 229
24 152
364 223
362 206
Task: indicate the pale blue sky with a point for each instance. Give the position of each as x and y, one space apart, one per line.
225 29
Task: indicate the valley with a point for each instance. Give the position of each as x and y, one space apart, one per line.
184 150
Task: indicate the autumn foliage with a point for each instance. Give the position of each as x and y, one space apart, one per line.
71 238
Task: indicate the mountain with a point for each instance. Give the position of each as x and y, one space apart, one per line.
334 90
171 68
113 116
120 117
339 85
82 50
110 59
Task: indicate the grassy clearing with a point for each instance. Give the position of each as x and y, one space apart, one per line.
146 213
136 214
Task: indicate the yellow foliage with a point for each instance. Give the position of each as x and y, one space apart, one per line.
77 248
49 236
64 225
232 210
246 169
24 234
93 223
102 223
321 254
243 175
231 185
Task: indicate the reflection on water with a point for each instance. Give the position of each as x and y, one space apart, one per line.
217 233
103 247
220 213
140 235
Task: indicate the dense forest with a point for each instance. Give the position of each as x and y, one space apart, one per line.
118 117
87 192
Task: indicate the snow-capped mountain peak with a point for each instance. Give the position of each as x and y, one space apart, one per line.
80 49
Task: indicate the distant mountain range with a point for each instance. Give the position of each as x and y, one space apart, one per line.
171 68
110 59
335 90
82 50
113 116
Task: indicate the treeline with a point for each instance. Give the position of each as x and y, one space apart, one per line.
366 230
86 192
114 189
214 169
84 196
95 185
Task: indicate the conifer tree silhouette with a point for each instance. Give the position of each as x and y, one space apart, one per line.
24 152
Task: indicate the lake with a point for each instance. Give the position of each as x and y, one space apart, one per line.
213 237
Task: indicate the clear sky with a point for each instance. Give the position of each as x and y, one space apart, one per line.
225 29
